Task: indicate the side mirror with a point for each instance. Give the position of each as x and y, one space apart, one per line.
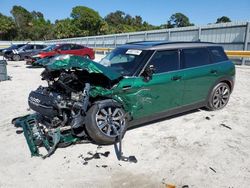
148 73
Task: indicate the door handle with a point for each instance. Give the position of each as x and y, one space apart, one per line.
126 87
214 71
176 78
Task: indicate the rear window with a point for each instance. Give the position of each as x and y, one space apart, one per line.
195 57
217 54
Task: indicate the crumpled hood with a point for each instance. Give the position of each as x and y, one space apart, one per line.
71 61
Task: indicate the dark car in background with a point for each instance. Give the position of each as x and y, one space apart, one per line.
24 52
10 49
55 49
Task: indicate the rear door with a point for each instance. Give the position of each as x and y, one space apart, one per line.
199 74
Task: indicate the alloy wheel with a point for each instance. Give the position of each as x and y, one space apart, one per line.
110 121
221 96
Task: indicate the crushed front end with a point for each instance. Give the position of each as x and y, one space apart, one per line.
60 108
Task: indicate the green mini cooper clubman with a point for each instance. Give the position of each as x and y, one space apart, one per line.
135 83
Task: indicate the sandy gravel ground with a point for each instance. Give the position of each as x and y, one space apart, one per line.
194 149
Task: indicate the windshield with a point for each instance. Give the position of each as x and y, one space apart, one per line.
123 60
49 48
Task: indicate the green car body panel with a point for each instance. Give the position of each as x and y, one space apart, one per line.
162 93
158 95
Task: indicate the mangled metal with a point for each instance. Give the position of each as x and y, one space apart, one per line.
73 83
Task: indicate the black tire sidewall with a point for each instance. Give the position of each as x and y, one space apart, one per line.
92 129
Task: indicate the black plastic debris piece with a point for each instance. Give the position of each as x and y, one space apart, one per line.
85 163
185 186
90 153
80 156
19 131
224 125
212 169
132 159
104 166
207 118
105 154
94 156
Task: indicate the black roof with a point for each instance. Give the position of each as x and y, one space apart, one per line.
155 45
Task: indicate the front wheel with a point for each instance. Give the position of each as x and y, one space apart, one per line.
219 96
105 122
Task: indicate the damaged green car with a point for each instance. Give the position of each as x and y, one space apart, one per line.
135 83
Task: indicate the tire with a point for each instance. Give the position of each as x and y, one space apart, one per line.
219 97
86 56
105 122
16 57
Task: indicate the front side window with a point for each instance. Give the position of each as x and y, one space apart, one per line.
195 57
125 61
165 61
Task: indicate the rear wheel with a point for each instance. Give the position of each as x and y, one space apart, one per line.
16 57
105 122
219 96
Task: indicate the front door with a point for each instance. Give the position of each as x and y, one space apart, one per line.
162 93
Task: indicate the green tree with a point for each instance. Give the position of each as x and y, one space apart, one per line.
87 20
7 28
120 22
117 18
40 28
178 20
23 21
223 19
66 29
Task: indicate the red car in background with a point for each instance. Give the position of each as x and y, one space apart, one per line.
74 49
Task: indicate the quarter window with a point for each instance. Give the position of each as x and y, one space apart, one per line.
195 57
217 54
165 61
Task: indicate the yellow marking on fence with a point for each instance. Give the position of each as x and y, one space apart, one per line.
238 53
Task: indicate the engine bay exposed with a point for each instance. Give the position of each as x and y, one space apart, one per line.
61 107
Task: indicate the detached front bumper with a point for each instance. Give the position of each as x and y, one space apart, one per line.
37 137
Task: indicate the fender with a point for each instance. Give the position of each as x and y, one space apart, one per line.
229 79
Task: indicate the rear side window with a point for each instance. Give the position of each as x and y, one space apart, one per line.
217 54
76 47
195 57
165 61
39 46
65 47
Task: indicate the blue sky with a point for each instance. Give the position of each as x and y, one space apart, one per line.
155 12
